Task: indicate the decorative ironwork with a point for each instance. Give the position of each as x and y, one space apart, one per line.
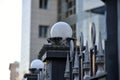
67 68
100 58
88 63
76 66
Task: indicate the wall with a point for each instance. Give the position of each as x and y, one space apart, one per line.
40 17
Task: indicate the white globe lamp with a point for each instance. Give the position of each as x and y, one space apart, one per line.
61 29
37 64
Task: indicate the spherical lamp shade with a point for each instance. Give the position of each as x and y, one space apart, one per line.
37 64
61 29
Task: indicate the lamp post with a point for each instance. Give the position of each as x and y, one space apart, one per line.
36 71
61 34
55 53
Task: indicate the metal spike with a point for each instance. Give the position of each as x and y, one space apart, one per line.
67 69
87 57
100 52
93 33
81 41
71 50
86 64
76 63
100 57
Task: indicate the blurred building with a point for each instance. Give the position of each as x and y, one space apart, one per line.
39 15
14 73
80 14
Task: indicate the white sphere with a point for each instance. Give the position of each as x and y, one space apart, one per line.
61 29
37 64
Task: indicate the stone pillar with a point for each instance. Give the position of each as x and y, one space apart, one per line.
55 58
119 32
112 42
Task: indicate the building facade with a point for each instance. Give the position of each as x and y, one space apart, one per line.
14 73
39 15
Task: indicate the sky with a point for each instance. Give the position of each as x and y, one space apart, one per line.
10 35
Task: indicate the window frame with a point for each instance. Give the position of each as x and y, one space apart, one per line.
43 4
42 31
71 8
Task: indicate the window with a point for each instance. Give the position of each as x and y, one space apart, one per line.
43 4
70 7
43 31
74 30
